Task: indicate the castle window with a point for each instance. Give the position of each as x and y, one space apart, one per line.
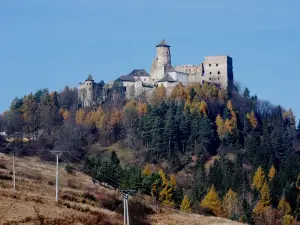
209 72
218 78
217 64
209 65
210 78
218 72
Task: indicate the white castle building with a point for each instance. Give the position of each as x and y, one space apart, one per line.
214 69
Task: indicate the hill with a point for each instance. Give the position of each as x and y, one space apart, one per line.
81 202
199 148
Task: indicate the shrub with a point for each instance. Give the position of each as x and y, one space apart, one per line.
5 177
89 196
50 182
72 184
70 169
2 166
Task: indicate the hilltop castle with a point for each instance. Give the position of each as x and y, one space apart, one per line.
214 69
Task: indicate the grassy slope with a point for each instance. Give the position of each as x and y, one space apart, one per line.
34 200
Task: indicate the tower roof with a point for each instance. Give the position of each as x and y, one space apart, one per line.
90 78
163 43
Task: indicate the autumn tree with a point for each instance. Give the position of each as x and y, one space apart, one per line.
231 204
147 170
186 205
211 201
258 179
272 173
252 119
265 199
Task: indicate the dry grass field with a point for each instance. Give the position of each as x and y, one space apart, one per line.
81 202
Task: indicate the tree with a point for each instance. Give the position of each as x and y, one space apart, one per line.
211 201
186 205
284 207
231 204
265 199
258 179
252 119
272 173
146 170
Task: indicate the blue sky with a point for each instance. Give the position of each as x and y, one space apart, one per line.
50 44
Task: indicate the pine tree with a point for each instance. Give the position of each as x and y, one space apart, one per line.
170 132
211 201
258 179
185 205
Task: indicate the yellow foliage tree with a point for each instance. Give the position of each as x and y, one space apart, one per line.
203 107
142 108
186 205
163 177
173 180
211 201
80 116
146 170
284 207
229 105
166 194
252 119
265 199
231 203
64 113
287 220
265 195
220 126
258 179
272 173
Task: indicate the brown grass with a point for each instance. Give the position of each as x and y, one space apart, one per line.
81 202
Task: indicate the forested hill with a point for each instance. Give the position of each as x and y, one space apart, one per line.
201 148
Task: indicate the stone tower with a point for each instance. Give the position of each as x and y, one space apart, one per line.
86 92
162 62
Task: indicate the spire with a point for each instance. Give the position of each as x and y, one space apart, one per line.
163 43
90 78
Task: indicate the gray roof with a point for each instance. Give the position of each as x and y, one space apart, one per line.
139 73
167 78
127 78
90 78
163 43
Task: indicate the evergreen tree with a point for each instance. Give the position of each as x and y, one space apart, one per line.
170 132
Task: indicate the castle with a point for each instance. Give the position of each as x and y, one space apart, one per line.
214 69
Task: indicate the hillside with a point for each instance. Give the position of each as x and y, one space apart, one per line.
199 148
81 202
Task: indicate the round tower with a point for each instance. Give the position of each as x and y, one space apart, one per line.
89 87
163 54
161 62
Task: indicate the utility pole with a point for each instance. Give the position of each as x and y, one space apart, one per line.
14 172
57 153
126 212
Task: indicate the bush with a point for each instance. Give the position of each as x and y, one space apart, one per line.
5 177
89 196
2 166
50 182
70 169
72 184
